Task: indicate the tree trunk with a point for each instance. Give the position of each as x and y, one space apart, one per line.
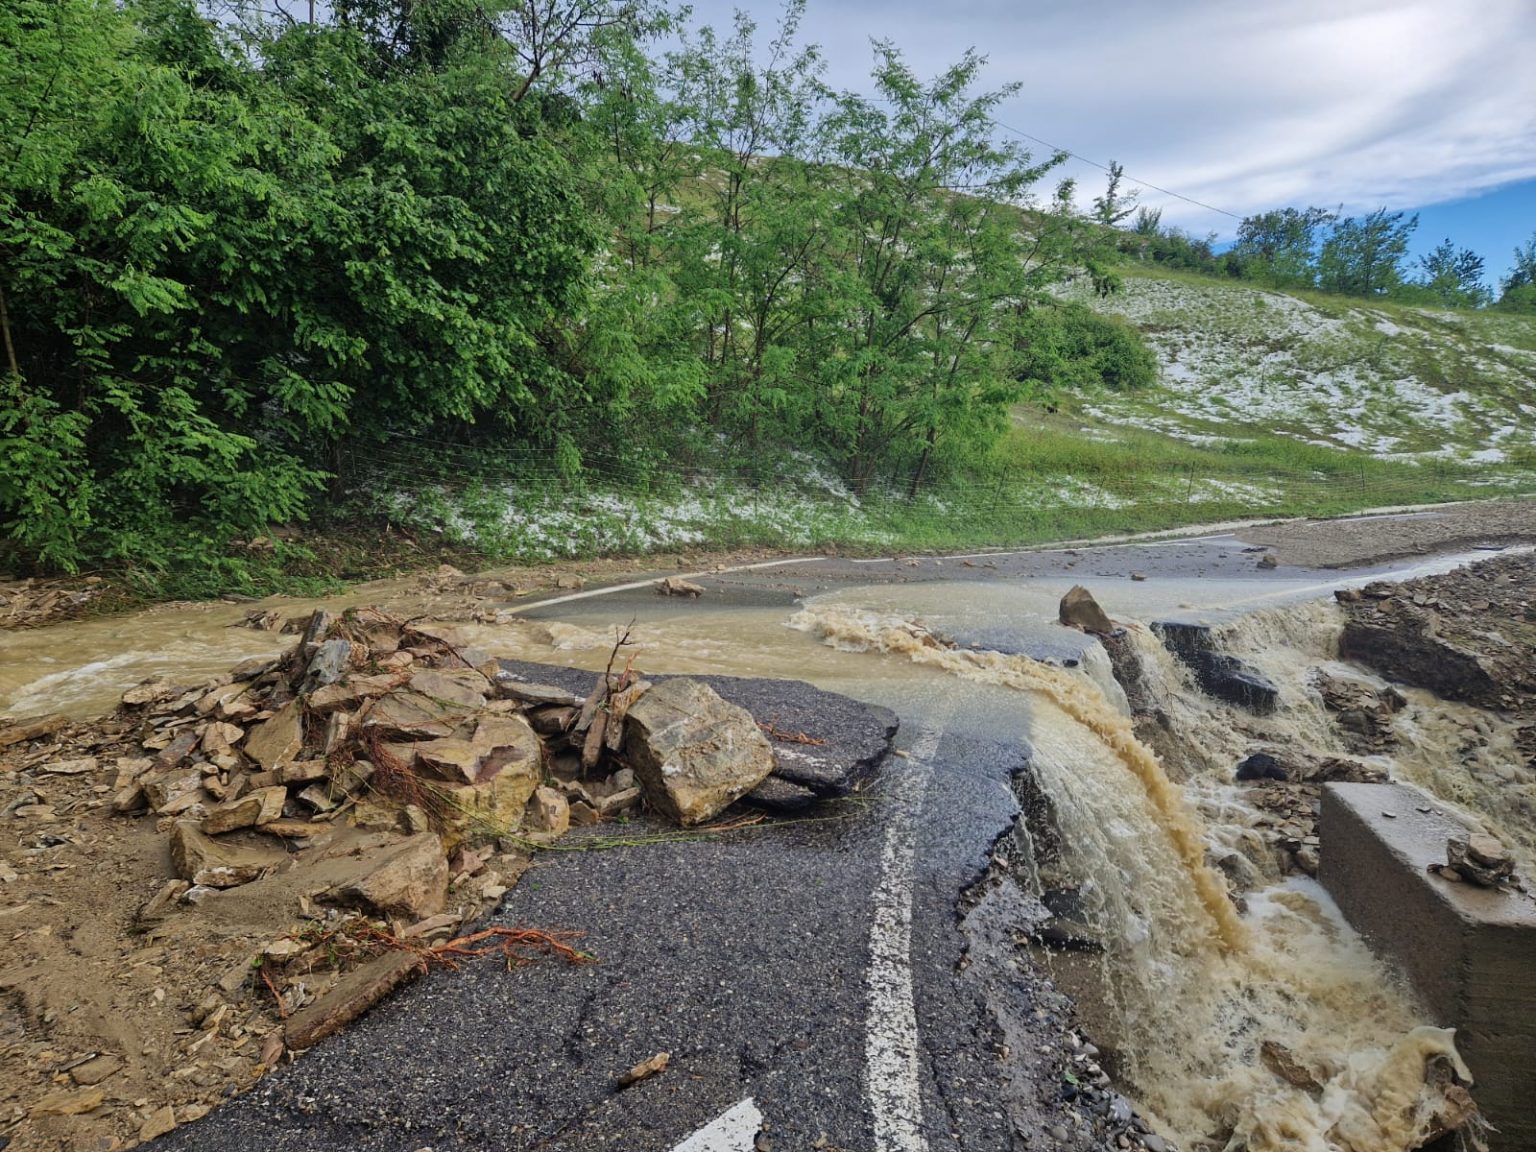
922 466
5 332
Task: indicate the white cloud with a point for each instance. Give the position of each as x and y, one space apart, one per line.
1242 105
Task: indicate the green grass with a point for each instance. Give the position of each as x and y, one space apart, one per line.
1051 478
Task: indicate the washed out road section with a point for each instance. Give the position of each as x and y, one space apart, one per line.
745 956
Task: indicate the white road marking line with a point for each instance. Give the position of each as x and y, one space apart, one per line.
895 1094
650 580
735 1131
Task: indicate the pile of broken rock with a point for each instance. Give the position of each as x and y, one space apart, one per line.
1479 859
403 726
328 818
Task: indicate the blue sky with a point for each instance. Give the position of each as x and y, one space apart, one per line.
1426 105
1492 224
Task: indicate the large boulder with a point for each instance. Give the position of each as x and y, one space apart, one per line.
506 759
464 687
203 860
277 739
1079 609
694 753
409 715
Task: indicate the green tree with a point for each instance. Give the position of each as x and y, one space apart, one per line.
1453 277
1115 205
218 275
137 163
744 259
1364 256
934 273
1148 222
1517 291
1281 247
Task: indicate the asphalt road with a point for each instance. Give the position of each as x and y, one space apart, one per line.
812 967
844 980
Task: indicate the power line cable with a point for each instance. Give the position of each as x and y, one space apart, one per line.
996 123
1105 168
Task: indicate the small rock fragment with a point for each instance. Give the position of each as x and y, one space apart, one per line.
77 767
95 1070
160 1122
645 1069
255 808
67 1102
547 811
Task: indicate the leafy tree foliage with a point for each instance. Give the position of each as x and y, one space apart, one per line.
1114 205
1071 347
1364 256
1281 247
217 274
232 256
136 217
1452 277
932 269
1518 289
1316 248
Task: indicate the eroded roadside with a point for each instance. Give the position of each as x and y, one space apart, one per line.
1364 540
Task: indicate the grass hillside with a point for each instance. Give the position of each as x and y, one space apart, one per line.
1400 383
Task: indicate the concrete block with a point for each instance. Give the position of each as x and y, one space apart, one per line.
1470 952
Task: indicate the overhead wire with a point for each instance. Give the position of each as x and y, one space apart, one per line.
1105 168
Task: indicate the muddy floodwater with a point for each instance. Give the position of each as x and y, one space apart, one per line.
1185 986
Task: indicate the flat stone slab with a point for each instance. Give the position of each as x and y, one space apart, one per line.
1469 951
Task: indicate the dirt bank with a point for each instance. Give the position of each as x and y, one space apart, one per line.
1362 540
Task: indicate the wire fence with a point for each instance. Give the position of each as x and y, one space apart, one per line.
522 502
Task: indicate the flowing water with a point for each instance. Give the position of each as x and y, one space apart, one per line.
1190 986
1194 988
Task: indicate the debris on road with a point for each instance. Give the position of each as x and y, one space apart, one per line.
645 1070
1080 610
234 869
